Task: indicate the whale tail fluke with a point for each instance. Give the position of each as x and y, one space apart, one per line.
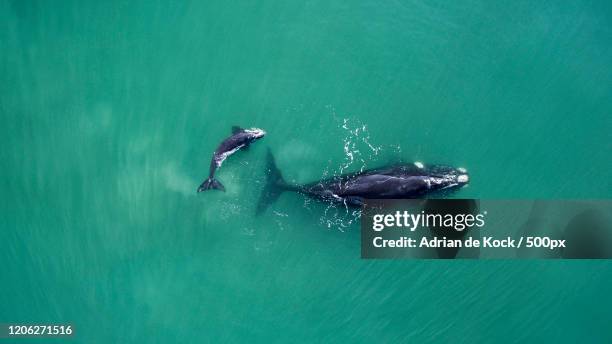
211 183
275 185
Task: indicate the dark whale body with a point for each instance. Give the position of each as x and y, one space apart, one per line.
240 138
391 182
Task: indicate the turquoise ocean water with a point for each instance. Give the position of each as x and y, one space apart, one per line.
109 113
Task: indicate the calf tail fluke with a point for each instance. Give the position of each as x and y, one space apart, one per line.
211 183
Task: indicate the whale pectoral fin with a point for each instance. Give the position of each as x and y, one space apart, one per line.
354 201
246 146
236 129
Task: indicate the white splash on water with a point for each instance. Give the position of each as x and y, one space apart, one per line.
358 150
356 142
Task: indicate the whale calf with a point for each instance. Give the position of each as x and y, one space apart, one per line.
391 182
240 138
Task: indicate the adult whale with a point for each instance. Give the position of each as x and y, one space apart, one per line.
395 181
240 138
